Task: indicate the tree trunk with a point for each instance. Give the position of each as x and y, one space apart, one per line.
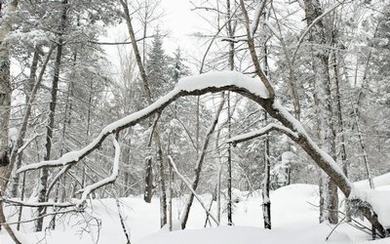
229 164
5 111
325 113
267 163
42 196
199 164
163 200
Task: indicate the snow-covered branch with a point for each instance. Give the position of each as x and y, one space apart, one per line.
259 12
192 85
132 119
256 133
115 171
252 88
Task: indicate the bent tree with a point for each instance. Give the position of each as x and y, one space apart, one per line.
251 88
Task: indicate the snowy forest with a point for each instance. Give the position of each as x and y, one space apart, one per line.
194 121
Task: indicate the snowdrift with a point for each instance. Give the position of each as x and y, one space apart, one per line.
294 220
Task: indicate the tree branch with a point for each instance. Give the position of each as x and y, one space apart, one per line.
38 204
256 133
115 171
172 163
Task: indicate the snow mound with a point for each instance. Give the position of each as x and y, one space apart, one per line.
378 198
248 235
382 180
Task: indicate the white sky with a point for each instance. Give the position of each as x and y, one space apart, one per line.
178 22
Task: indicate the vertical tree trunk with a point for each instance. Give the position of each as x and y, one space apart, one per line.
327 134
42 195
229 164
229 169
148 192
28 89
163 191
163 200
219 183
170 185
5 111
340 128
266 183
267 163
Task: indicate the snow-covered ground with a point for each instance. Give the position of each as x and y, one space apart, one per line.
294 220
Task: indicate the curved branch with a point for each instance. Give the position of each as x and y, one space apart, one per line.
115 171
132 119
217 82
256 133
195 85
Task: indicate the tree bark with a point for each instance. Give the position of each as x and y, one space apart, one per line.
325 111
42 196
5 111
229 164
267 163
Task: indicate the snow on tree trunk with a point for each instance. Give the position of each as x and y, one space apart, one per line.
5 109
324 106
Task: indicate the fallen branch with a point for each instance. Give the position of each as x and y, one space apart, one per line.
190 188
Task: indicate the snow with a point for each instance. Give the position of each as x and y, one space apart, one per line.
294 220
12 135
221 79
288 156
244 235
379 198
382 180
